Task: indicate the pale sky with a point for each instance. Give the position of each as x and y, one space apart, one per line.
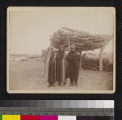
30 28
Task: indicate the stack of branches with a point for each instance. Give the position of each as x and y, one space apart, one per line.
84 41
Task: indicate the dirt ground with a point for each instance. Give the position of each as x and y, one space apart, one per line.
29 75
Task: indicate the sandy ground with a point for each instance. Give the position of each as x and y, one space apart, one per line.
29 75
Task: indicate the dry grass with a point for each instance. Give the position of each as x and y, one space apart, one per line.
29 75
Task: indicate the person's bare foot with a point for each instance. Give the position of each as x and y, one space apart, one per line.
49 85
59 84
64 83
72 84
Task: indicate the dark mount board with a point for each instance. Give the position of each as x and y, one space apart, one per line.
118 94
3 11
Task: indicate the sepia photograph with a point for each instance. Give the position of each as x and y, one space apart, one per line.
61 50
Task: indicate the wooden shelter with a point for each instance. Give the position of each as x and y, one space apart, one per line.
84 41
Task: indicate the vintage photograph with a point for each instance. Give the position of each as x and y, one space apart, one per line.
61 50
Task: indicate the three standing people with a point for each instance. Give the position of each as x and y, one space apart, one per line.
62 66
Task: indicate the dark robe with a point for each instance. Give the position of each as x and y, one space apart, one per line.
73 60
52 70
60 67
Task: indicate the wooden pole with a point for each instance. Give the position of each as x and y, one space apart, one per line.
101 59
101 56
68 41
80 58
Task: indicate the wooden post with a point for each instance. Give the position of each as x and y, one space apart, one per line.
68 41
80 58
101 59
